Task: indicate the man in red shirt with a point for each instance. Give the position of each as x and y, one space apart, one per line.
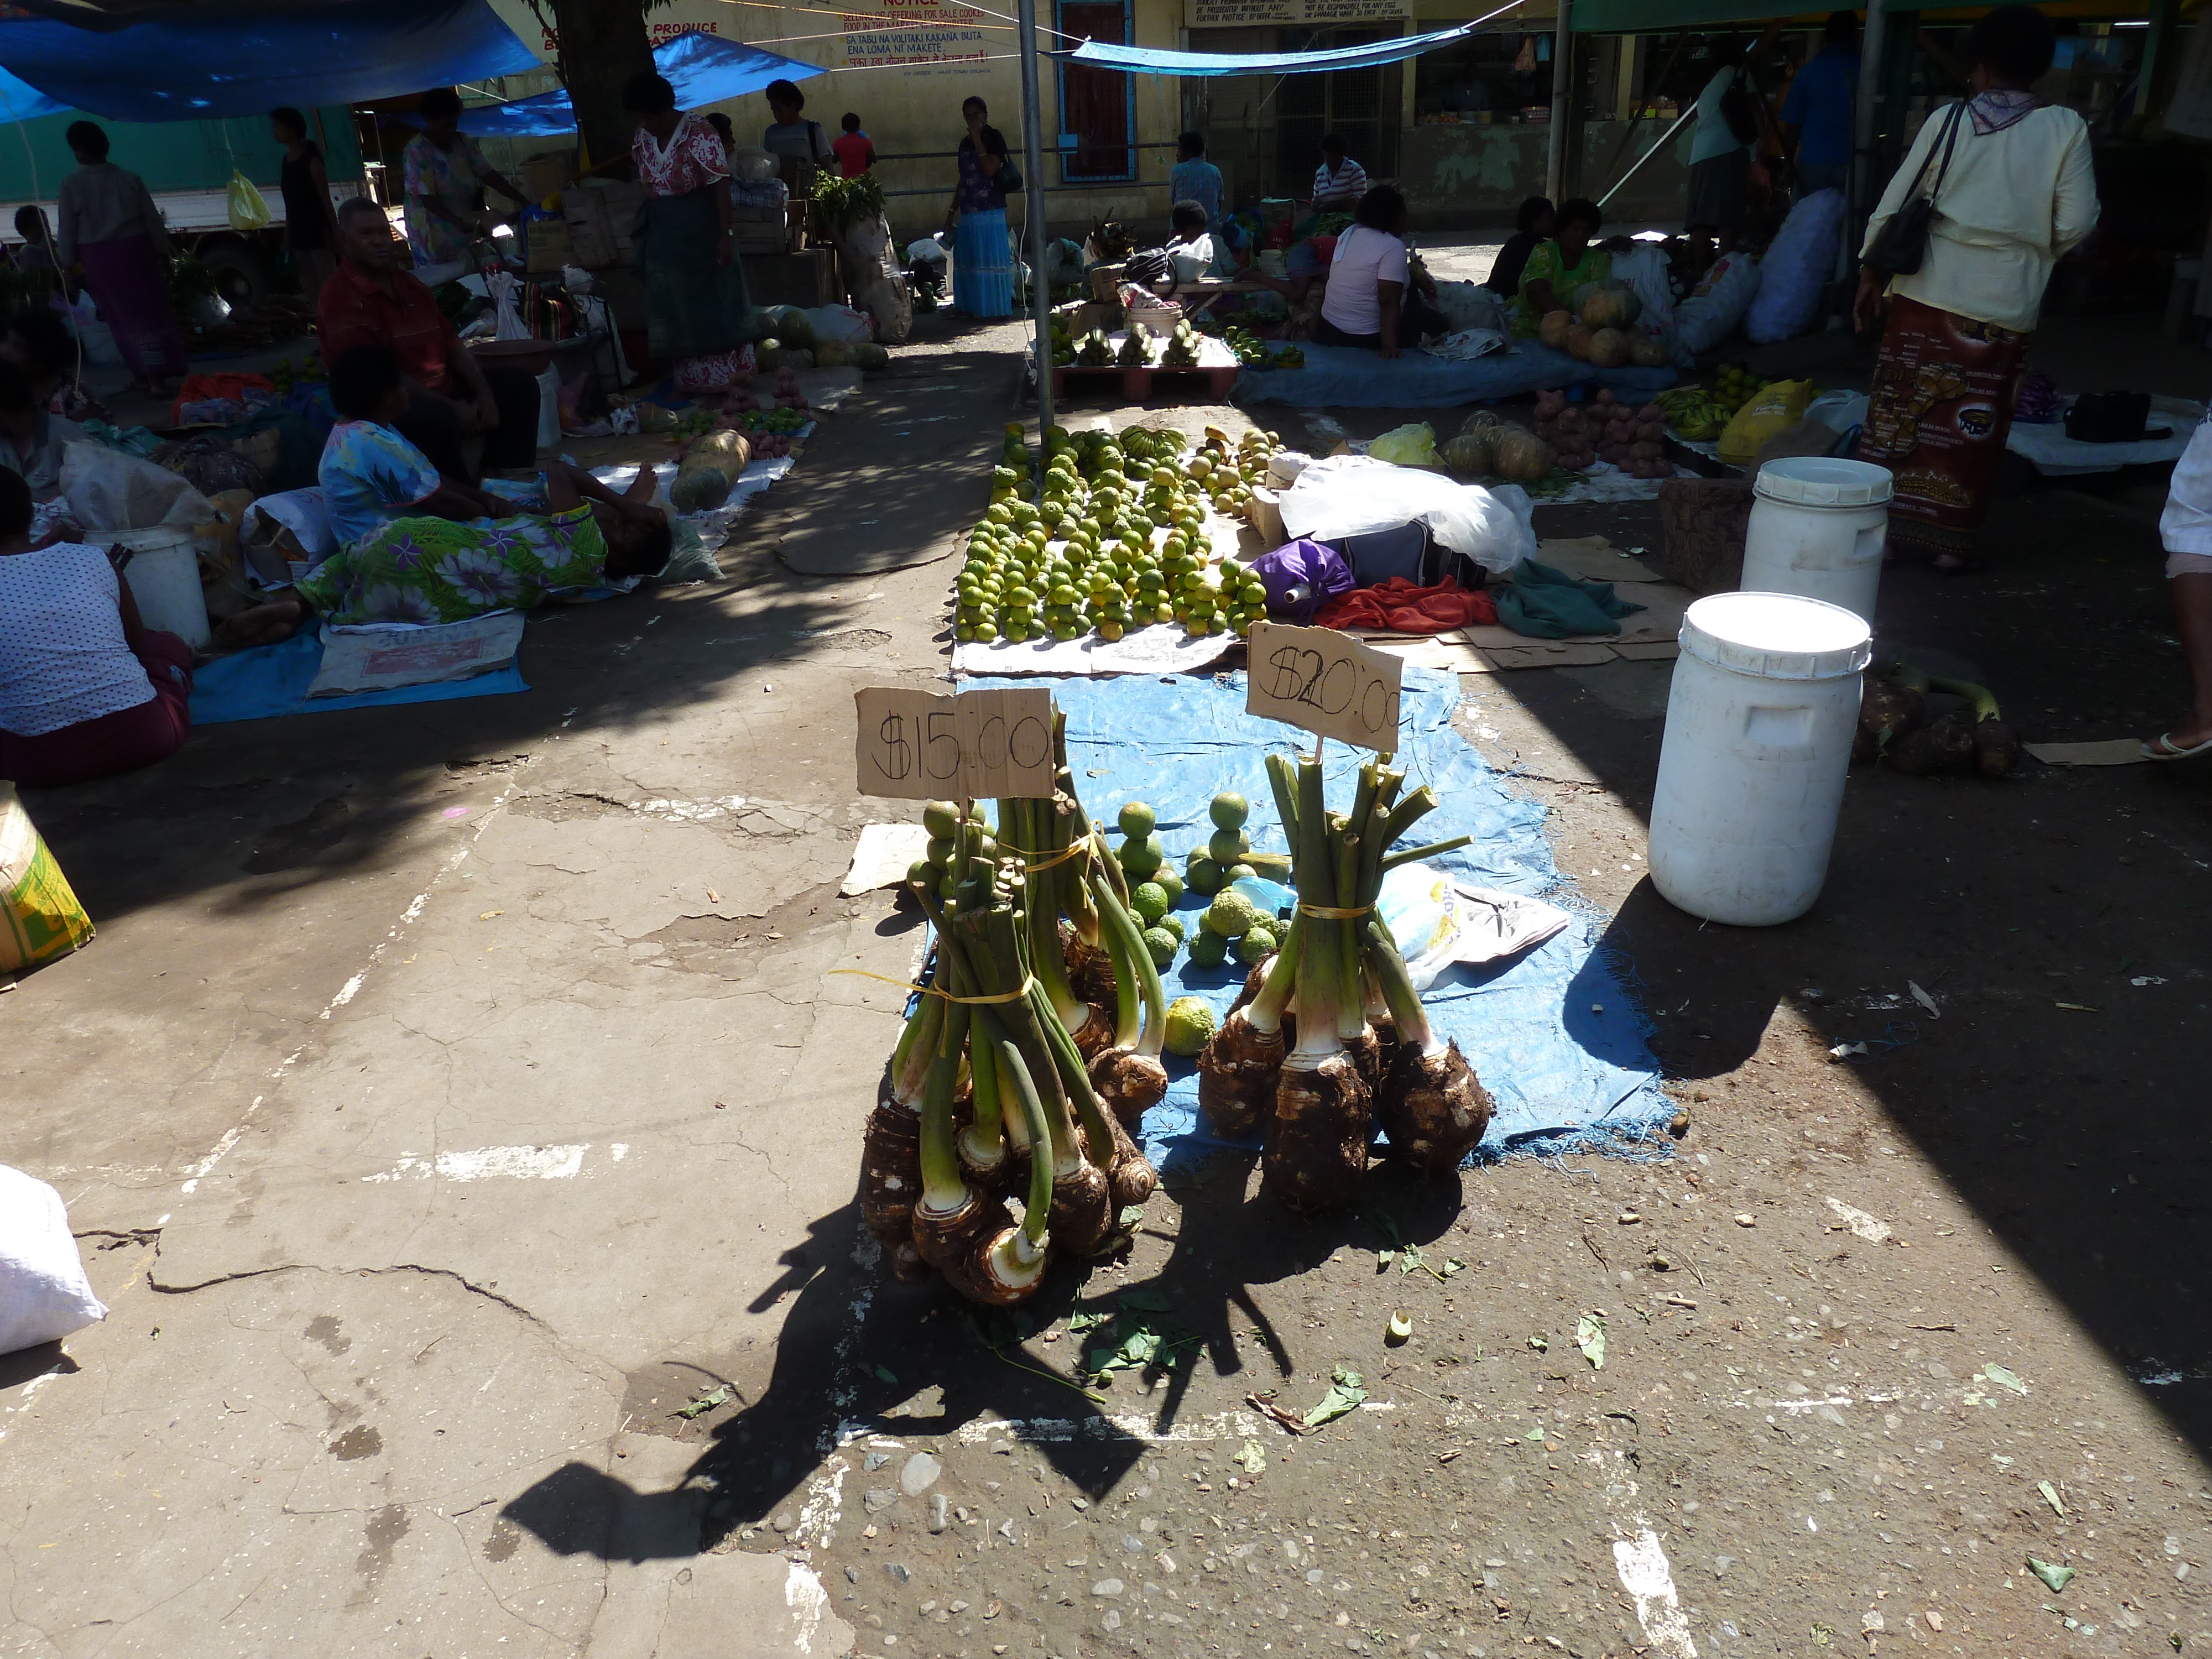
375 297
855 154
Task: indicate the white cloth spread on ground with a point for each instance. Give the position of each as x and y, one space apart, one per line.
62 654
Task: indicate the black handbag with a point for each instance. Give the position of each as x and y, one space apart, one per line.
1009 176
1903 244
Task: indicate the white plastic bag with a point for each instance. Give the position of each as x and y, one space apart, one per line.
303 513
839 323
1800 262
1709 315
1644 268
107 489
1344 495
1470 306
504 286
44 1294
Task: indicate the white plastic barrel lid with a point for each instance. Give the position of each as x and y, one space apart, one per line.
1777 636
1823 481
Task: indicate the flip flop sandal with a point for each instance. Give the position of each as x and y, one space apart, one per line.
2162 748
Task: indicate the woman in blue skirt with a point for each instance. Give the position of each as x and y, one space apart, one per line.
983 268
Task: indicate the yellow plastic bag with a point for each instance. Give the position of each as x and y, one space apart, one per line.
1406 446
249 209
39 917
1780 405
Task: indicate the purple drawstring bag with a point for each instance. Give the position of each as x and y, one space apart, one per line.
1320 572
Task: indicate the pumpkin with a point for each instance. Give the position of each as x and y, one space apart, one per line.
1645 352
1487 420
1606 305
1608 348
1578 342
1522 457
1552 331
1470 455
710 471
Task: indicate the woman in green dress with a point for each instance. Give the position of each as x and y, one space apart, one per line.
1558 267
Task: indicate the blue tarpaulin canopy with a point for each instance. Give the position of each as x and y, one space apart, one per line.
196 62
1152 60
704 69
20 101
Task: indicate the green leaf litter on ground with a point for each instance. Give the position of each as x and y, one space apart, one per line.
1539 1344
887 1373
2051 1495
1536 1433
1589 1337
1252 1459
2004 1379
2050 1573
1345 1394
705 1403
1089 1319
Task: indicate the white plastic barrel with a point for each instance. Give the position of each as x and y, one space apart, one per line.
1817 529
164 573
1759 722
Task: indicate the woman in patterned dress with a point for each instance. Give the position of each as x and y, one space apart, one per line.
697 311
982 257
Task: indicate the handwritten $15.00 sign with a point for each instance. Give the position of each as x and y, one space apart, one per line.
918 745
1326 683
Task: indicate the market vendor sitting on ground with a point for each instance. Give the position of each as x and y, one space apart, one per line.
375 299
1560 265
1339 181
446 178
1376 298
86 688
419 548
1536 221
31 438
1201 251
40 343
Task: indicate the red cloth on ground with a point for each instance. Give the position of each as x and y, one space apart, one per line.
1402 608
121 742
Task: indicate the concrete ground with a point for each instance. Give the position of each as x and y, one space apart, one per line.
458 1094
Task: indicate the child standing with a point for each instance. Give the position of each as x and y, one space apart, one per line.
855 154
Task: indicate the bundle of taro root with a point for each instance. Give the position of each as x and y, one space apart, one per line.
1007 1083
1896 725
1329 1037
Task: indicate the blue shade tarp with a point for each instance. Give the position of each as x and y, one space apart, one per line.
1554 1033
704 69
22 101
1154 60
189 63
270 680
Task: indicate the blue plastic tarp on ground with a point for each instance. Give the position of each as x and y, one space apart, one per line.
270 680
185 63
1554 1034
1346 377
1157 60
704 69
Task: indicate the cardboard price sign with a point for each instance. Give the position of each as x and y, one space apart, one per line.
917 745
1325 682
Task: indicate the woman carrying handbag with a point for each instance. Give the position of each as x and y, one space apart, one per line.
1993 192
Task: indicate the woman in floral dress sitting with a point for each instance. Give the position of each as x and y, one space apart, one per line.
415 547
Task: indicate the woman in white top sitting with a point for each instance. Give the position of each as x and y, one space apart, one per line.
2010 176
86 689
1367 304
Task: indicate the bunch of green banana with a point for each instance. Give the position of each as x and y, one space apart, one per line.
1693 413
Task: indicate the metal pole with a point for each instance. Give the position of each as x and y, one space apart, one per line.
1039 229
1865 188
1664 137
1555 162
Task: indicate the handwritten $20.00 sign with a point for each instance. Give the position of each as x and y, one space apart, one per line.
1326 683
918 745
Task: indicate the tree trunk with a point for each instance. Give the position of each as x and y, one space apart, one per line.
602 44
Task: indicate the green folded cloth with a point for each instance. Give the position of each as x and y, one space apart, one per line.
1550 605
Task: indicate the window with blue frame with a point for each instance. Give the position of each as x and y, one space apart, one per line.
1098 106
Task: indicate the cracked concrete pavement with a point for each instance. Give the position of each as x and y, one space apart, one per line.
446 1084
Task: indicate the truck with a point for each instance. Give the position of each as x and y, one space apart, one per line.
187 165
